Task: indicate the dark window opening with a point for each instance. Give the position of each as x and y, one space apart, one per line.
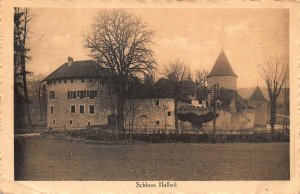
82 80
54 81
52 109
71 122
157 102
89 123
81 109
71 80
52 95
82 94
54 121
92 109
65 80
60 81
71 94
157 122
93 94
169 113
72 109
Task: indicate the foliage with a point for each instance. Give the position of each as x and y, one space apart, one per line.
21 56
274 73
120 43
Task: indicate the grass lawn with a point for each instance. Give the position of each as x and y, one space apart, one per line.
45 158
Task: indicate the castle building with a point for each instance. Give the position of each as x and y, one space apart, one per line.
259 103
234 111
72 97
222 74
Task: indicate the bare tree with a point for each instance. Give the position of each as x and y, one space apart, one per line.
275 74
120 43
21 50
176 72
201 77
286 99
37 88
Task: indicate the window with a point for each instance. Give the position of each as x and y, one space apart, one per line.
52 109
71 80
60 81
93 94
92 109
81 109
82 93
71 94
71 122
169 113
157 102
157 122
54 121
89 123
78 94
65 80
54 81
52 94
73 109
82 80
88 93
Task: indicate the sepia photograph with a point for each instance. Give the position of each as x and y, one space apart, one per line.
160 94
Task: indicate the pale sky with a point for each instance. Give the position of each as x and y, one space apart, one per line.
249 37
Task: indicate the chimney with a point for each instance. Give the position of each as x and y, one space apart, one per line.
70 61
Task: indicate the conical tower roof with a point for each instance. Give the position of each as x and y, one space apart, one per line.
257 95
222 67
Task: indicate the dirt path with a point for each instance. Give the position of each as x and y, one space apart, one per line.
44 158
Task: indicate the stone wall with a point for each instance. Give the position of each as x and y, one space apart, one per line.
260 112
62 118
151 114
228 82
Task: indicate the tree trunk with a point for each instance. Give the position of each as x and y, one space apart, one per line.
272 115
41 109
26 99
176 115
120 115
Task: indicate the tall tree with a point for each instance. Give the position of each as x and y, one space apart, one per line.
286 100
201 77
176 72
120 43
39 92
274 73
21 56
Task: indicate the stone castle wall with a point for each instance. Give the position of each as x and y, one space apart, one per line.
226 121
260 112
62 118
151 114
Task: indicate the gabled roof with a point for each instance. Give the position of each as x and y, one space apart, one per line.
241 103
257 95
78 69
222 67
163 88
227 96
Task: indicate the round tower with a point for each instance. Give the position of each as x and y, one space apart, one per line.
222 73
260 104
